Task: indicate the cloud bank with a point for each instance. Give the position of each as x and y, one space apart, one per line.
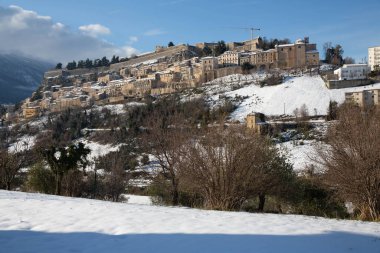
27 32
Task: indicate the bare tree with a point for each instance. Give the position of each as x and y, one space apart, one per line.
304 112
165 139
353 161
10 165
227 167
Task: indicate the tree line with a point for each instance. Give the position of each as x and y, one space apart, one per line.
103 62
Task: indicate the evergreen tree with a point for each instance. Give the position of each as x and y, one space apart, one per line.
206 51
105 62
97 63
88 63
170 44
62 160
220 48
81 64
58 66
71 65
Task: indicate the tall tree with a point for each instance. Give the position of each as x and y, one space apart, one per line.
88 63
105 62
81 64
166 138
206 51
64 159
220 48
10 165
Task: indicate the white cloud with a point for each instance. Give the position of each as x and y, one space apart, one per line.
27 32
129 51
95 30
154 32
133 39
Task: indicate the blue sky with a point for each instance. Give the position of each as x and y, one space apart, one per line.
142 24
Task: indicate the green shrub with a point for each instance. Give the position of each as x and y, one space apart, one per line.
41 179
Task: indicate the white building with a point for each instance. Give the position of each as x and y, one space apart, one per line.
352 72
229 58
374 57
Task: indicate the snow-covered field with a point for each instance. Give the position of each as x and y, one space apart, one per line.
42 223
274 100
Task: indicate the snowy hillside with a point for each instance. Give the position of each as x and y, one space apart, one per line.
42 223
273 100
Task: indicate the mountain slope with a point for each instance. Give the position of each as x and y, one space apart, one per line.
43 223
19 76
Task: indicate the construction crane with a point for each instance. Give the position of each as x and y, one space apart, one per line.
248 29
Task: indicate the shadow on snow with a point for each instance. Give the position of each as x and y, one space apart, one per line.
41 242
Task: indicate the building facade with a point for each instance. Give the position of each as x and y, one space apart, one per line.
352 72
298 55
374 57
365 98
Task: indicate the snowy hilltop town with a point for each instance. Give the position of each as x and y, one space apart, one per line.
173 69
263 145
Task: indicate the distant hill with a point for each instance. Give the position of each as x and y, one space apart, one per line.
20 76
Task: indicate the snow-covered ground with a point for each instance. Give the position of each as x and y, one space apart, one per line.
23 143
302 154
138 200
275 100
98 149
42 223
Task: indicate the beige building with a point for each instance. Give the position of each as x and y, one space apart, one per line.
249 45
169 77
229 58
365 98
108 78
298 55
209 63
31 111
374 57
256 123
264 59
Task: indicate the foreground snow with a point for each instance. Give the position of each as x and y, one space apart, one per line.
41 223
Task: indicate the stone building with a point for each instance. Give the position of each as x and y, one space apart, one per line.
298 55
209 63
249 45
256 123
264 59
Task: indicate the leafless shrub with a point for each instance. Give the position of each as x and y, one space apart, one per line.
353 161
